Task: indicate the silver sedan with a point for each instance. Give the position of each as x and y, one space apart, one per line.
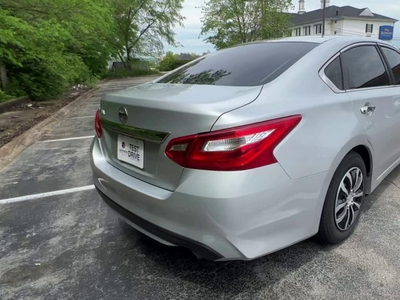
254 148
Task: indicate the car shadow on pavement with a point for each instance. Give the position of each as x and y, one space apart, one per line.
305 263
229 278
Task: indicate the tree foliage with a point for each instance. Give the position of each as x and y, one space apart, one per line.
143 26
48 45
172 61
231 22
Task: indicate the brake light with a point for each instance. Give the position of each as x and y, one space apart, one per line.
239 148
97 124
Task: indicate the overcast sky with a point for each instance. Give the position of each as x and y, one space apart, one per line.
189 35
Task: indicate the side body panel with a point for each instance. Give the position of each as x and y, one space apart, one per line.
382 127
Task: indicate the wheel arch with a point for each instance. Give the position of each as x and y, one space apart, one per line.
362 146
366 155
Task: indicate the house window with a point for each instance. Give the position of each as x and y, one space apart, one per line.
318 28
369 28
297 31
307 30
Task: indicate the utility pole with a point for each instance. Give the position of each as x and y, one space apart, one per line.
323 18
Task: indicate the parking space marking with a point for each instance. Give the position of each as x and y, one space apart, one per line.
68 139
84 117
48 194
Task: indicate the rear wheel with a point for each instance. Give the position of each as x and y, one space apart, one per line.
343 201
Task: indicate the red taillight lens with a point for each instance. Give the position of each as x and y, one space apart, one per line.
239 148
97 124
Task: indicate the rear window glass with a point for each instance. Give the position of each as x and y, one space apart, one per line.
334 73
364 68
247 65
393 59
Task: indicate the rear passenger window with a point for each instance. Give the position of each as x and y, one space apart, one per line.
393 59
334 73
364 68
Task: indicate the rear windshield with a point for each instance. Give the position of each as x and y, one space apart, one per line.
247 65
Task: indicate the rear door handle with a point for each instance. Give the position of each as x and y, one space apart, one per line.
367 109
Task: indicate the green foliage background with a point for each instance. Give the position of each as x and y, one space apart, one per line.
171 61
48 45
231 22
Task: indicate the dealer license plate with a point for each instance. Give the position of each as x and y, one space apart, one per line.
131 151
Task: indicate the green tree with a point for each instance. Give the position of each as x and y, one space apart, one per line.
168 62
231 22
172 61
47 45
143 26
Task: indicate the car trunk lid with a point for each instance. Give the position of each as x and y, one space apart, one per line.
156 113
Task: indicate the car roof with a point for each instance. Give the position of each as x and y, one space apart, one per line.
335 40
330 39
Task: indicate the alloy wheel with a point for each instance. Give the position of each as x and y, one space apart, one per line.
348 199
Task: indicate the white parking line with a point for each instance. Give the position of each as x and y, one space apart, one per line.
84 117
48 194
68 139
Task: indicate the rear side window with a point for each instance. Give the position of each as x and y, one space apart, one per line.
393 59
334 73
364 68
246 65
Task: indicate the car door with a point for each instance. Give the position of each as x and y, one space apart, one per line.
375 102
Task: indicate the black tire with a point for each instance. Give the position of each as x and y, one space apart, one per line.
329 231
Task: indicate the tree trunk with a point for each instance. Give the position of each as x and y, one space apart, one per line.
128 57
121 57
3 77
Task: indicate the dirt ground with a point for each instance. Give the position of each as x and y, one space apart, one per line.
18 119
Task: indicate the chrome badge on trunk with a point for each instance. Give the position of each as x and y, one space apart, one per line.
123 115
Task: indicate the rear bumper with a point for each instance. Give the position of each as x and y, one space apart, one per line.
171 237
217 215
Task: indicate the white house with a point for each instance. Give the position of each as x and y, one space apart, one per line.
345 20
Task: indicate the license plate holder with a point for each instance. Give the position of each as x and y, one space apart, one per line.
131 151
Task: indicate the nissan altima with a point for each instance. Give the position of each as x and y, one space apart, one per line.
254 148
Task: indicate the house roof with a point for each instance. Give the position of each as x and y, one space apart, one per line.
337 12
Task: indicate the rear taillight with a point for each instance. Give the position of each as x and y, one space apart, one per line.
238 148
97 124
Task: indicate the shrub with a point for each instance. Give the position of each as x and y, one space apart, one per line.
129 73
45 79
179 63
171 62
14 90
4 97
167 63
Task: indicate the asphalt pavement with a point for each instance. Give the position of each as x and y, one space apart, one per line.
58 240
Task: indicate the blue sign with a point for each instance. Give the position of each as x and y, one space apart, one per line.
386 33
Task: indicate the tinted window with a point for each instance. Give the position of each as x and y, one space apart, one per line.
334 73
393 59
364 68
246 65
